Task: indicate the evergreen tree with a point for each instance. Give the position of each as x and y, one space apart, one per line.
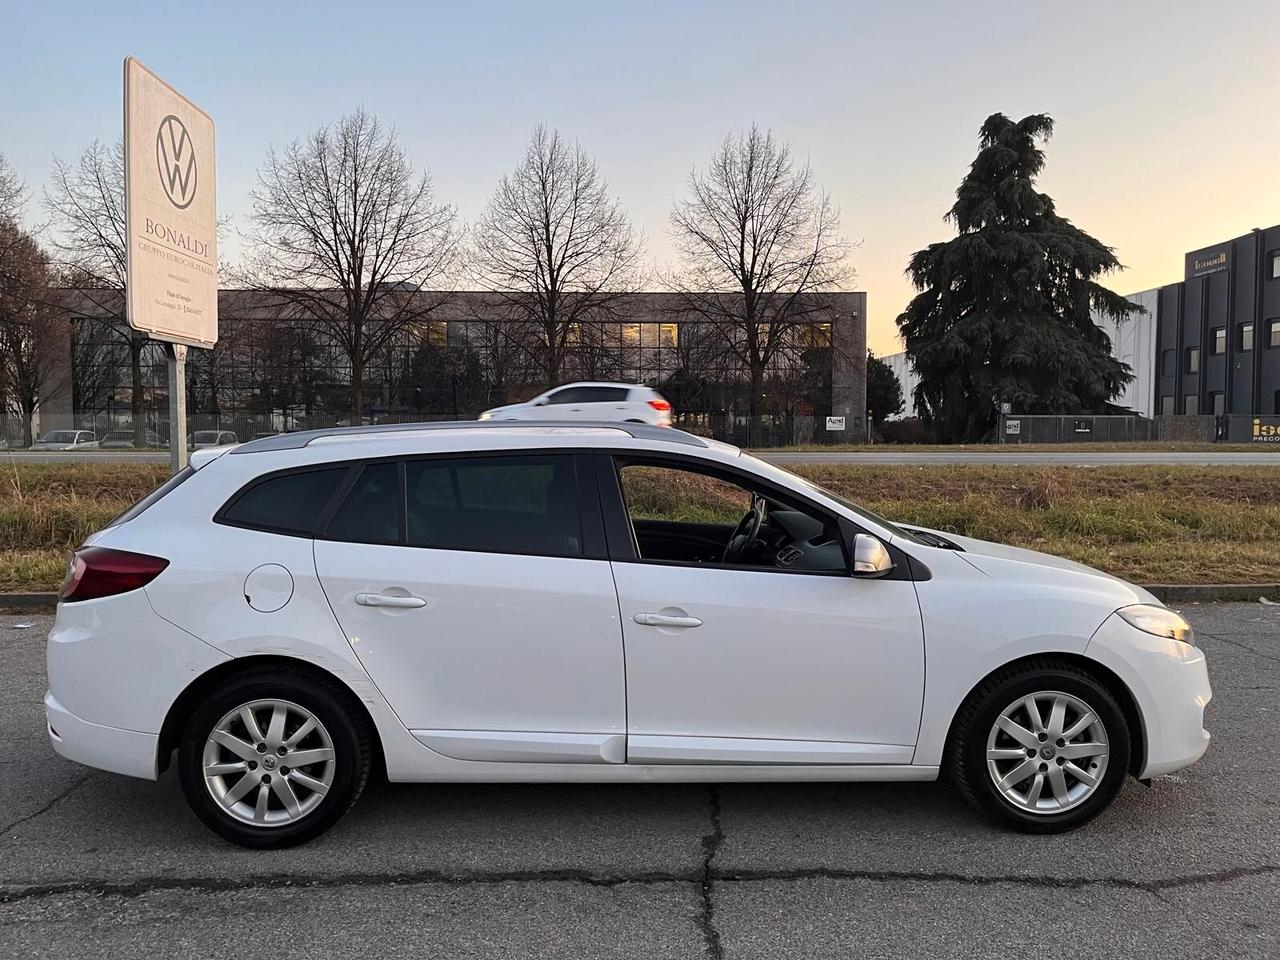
884 391
1003 309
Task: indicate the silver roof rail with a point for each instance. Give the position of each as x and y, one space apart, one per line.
296 441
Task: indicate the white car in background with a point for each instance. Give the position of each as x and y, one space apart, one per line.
203 439
66 440
607 603
600 402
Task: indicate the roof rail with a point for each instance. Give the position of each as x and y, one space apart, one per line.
298 440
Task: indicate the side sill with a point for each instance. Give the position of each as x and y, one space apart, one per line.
508 746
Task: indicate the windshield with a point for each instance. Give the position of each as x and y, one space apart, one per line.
206 436
893 528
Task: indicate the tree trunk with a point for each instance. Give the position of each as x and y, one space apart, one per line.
754 407
28 415
357 391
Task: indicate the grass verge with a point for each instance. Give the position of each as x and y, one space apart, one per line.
1149 524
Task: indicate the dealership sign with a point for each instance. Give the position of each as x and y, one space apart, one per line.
1210 260
170 212
1254 430
835 423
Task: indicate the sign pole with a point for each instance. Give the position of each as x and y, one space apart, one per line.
177 354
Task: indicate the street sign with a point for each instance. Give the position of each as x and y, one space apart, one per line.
171 230
1013 428
171 218
835 423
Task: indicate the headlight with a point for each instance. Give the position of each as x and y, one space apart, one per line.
485 416
1160 621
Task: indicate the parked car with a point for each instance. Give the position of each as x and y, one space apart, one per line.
617 603
124 440
66 440
627 402
212 438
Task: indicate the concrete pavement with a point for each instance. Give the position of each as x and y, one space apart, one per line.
96 865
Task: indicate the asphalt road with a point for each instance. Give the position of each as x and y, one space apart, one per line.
96 865
1065 457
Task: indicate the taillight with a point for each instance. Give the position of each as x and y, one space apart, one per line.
661 405
99 572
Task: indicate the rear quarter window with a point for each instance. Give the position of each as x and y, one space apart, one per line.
291 503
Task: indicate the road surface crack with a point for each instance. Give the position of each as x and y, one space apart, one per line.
47 807
711 844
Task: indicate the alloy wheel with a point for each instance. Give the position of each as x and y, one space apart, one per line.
269 762
1047 752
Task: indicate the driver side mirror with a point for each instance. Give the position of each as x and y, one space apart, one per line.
870 557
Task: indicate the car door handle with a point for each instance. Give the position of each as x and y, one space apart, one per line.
387 600
663 620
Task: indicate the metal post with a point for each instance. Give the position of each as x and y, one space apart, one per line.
177 354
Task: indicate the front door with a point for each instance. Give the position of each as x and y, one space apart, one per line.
477 611
761 648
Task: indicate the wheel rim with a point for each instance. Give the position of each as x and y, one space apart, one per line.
268 763
1047 752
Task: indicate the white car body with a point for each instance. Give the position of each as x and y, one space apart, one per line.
519 667
204 439
66 440
591 401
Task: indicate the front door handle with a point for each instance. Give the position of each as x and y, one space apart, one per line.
388 600
663 620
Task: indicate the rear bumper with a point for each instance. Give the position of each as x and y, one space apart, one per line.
1170 682
107 748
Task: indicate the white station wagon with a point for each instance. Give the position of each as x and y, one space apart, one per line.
621 603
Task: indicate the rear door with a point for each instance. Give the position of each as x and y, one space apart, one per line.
481 604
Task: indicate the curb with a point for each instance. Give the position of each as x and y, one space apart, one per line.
1165 592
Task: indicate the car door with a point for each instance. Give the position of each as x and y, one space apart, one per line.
604 403
482 605
736 663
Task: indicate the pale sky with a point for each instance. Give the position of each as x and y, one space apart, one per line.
1168 113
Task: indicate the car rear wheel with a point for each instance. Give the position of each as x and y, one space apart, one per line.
274 758
1042 746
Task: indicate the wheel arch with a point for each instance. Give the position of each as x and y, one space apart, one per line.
1102 673
188 701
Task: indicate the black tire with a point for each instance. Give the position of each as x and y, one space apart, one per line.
335 708
967 760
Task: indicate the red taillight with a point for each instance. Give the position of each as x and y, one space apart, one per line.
100 572
661 405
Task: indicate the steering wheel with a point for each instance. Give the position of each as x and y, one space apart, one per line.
745 532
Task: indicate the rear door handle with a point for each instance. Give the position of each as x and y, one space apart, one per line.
663 620
387 600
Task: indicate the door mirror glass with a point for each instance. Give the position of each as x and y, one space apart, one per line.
870 557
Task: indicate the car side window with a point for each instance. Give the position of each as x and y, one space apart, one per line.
602 394
567 395
499 504
693 517
290 503
370 512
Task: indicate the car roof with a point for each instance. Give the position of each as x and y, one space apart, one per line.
446 434
596 383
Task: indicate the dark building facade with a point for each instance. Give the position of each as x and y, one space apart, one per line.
1218 330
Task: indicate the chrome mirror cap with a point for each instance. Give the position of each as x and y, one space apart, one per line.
870 557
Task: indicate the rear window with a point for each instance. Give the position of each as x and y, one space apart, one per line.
290 503
154 496
370 513
525 505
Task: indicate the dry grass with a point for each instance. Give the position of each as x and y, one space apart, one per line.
1144 523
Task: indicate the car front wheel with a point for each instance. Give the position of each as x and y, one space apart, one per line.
274 758
1042 746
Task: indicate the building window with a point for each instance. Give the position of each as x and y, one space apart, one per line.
1246 337
1169 365
1275 265
1218 340
1166 405
1217 403
1273 333
1191 404
1193 359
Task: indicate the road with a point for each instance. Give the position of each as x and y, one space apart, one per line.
97 865
895 456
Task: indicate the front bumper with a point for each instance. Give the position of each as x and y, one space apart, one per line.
1169 680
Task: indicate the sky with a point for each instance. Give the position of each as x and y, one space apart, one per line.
1168 114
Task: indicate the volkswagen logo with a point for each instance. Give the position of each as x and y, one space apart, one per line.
176 159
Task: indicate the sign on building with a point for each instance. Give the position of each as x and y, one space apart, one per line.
171 217
835 423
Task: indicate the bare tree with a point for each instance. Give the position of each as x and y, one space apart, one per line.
345 235
757 239
555 248
86 203
32 331
12 192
